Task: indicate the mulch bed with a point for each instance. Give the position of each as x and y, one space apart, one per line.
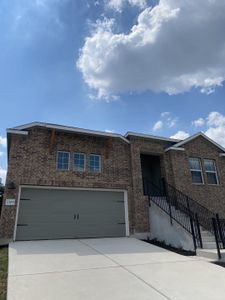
171 248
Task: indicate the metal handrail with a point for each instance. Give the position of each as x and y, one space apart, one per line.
183 202
177 210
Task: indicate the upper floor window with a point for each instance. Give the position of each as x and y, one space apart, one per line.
196 170
95 163
79 161
63 160
211 172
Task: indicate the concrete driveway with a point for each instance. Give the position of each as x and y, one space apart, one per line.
112 269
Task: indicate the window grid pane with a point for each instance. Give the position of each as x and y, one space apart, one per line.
195 164
79 161
196 170
196 176
209 165
95 163
211 172
211 178
63 160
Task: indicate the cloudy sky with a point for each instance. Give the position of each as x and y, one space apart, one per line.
156 67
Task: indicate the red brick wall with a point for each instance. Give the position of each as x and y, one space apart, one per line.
32 161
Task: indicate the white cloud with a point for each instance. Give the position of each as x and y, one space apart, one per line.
216 127
3 141
216 119
158 125
119 4
171 122
2 174
174 47
2 153
180 135
199 122
217 134
165 114
166 119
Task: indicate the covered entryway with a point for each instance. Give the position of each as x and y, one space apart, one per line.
62 213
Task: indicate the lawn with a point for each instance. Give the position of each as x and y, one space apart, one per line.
3 272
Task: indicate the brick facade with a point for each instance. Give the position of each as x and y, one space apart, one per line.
32 161
210 196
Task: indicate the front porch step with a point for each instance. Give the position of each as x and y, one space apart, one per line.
208 239
209 245
206 234
211 254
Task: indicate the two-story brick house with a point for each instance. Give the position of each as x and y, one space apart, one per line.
66 182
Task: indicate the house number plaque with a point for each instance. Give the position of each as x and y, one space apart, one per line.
10 202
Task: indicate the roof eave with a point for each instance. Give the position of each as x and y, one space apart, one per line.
70 129
148 136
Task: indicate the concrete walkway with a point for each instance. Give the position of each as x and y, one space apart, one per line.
112 269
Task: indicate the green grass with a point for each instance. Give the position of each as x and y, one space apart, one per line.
3 272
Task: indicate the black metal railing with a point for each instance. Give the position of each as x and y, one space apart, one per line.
190 214
221 230
176 207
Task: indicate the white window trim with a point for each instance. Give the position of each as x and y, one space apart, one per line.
213 172
74 167
197 170
100 163
57 161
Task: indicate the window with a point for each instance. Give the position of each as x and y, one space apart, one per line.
79 161
196 170
211 172
63 160
95 163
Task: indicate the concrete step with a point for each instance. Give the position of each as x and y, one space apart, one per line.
209 236
210 254
208 239
209 245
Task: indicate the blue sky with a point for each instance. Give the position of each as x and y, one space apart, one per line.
114 65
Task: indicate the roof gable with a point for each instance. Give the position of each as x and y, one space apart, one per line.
189 139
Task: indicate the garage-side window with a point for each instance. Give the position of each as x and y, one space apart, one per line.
79 161
196 170
211 171
63 160
95 163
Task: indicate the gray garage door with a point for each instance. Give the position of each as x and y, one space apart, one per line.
55 214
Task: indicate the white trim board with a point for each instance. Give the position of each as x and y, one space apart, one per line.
15 131
174 148
126 210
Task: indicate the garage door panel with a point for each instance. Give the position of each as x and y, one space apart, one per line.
35 232
54 213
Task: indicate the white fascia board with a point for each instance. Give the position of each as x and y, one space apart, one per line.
87 131
222 154
174 148
28 125
72 129
15 131
148 136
